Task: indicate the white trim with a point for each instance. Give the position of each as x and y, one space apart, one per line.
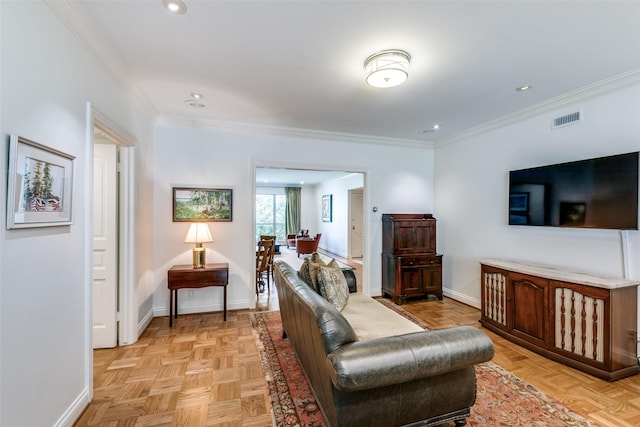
465 299
146 320
185 308
88 262
611 84
199 122
128 327
74 411
366 253
128 333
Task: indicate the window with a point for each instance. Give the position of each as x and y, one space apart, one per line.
270 213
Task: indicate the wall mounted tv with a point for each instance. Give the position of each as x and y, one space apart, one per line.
594 193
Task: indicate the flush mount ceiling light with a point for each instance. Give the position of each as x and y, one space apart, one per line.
388 68
175 6
523 88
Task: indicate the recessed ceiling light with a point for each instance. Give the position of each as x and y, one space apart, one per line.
175 6
195 104
431 129
196 95
523 88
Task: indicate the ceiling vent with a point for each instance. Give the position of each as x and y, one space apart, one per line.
567 119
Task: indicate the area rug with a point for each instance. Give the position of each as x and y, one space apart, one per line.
502 398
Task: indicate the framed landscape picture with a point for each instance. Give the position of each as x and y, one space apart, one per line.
40 185
202 204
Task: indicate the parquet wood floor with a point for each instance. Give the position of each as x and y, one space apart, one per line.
607 404
206 372
201 372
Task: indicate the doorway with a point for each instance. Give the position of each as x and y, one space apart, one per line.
101 131
356 232
105 273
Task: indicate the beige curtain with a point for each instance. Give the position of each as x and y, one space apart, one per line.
292 217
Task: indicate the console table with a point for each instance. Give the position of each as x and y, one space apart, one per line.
186 276
586 321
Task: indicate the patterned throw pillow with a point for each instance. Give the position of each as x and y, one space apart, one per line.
333 286
309 270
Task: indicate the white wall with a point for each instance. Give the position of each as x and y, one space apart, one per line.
471 186
47 78
399 179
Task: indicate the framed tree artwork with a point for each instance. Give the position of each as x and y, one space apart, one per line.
202 204
40 185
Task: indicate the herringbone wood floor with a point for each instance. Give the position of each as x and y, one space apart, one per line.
206 372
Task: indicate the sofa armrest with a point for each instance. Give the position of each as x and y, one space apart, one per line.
386 361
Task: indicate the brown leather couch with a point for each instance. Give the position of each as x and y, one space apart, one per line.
423 378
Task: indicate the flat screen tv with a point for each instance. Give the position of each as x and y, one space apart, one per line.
594 193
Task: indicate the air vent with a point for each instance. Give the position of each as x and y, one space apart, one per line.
567 119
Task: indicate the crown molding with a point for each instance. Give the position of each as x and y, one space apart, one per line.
614 83
81 27
197 122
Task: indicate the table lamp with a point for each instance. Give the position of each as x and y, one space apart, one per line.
198 233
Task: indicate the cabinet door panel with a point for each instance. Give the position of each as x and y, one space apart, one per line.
412 280
529 296
405 239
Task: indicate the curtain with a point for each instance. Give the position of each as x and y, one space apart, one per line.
292 210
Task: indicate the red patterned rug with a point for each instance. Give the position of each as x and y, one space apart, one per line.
502 398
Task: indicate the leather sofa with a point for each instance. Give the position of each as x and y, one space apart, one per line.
423 378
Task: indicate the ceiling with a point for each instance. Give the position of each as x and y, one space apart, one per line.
298 65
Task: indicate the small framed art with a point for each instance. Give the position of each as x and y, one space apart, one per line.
40 185
327 208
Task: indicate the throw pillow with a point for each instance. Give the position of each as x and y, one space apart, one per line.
333 286
309 270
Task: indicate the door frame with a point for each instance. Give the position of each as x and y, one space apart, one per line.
366 196
127 314
351 192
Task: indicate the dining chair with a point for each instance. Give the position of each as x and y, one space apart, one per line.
262 262
270 273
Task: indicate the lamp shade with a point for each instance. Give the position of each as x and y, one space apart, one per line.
387 68
198 233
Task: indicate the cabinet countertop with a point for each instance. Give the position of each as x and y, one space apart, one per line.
560 273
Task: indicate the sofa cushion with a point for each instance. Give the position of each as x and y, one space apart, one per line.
370 319
333 286
309 270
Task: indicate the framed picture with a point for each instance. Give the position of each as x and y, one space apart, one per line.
202 204
519 202
40 185
327 208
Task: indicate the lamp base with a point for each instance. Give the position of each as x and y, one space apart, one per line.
199 257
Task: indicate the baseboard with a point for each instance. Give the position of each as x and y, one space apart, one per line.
202 308
74 411
462 298
142 325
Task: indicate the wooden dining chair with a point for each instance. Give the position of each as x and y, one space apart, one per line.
262 263
272 253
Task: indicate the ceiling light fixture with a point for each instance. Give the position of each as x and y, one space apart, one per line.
387 68
196 95
523 88
175 6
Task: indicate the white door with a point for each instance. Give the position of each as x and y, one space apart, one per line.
105 245
357 223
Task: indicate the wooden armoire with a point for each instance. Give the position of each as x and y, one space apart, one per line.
411 268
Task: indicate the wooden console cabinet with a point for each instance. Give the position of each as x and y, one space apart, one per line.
587 322
410 266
